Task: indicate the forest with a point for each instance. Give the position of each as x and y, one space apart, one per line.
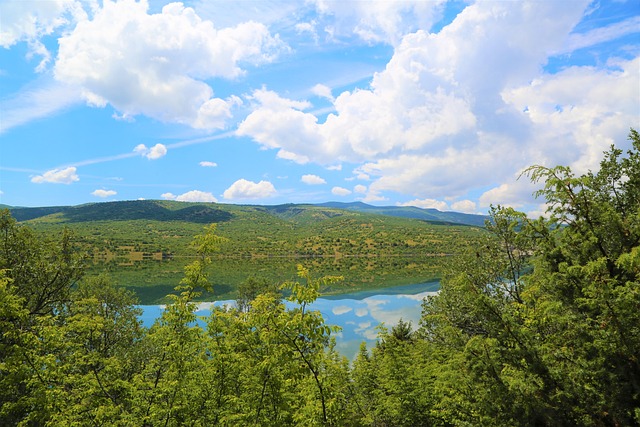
537 324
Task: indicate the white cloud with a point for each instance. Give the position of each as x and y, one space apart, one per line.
190 196
196 196
29 21
57 176
232 13
465 206
602 34
340 191
361 312
360 188
213 114
312 180
322 91
278 119
579 112
104 193
447 114
378 21
38 100
514 194
157 151
341 309
156 64
427 204
153 153
306 27
244 189
206 164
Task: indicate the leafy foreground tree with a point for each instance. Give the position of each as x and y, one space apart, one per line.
88 361
540 326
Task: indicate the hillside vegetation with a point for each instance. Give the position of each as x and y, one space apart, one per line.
144 245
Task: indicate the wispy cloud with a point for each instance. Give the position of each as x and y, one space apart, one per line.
602 34
116 157
35 101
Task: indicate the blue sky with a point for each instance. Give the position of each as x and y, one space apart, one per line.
437 104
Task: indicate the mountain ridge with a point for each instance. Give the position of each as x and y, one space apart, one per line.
204 212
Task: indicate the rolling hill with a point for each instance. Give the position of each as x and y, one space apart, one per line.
213 212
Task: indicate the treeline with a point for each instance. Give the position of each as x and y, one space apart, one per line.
537 326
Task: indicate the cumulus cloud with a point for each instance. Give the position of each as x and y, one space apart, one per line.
312 180
24 21
244 189
191 196
29 21
57 176
513 194
360 188
153 153
196 196
578 112
208 164
465 206
103 193
156 64
427 204
464 108
322 91
340 191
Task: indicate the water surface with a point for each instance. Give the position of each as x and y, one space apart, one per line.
358 314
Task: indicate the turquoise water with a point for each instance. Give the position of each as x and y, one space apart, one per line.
358 314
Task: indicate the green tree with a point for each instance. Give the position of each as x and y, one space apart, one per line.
42 270
95 343
541 322
19 394
394 383
37 276
251 288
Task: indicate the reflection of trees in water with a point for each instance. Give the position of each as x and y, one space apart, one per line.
152 278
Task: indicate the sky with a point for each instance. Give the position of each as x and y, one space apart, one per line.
436 104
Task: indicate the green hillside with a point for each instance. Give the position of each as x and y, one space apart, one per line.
432 215
144 244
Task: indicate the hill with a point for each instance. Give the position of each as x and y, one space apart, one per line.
214 212
431 215
146 244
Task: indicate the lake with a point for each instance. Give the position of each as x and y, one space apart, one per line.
358 314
